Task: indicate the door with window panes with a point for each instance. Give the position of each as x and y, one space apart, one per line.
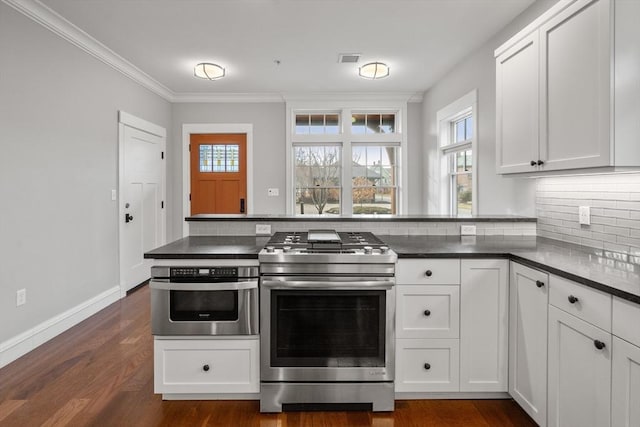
218 174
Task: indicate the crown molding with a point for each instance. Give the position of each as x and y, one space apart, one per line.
57 24
227 97
354 96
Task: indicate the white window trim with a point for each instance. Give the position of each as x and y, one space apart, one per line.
345 138
467 104
198 128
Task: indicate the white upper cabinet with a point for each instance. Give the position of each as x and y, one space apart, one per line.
577 56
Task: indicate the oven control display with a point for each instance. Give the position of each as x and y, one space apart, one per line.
195 272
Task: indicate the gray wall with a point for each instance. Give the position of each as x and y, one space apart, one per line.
498 195
59 140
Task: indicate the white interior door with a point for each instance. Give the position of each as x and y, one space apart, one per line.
142 194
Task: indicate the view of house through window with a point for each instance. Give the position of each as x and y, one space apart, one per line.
461 168
325 181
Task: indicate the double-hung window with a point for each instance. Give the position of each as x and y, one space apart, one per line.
345 161
457 136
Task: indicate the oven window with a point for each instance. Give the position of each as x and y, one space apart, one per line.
203 305
328 328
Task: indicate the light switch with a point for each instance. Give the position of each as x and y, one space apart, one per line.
113 195
272 192
584 215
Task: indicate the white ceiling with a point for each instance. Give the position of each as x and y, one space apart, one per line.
420 40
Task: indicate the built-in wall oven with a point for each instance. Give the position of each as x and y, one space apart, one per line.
327 327
204 300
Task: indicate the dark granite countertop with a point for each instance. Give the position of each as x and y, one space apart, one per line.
612 272
360 218
214 247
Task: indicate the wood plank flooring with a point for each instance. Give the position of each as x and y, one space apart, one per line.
100 373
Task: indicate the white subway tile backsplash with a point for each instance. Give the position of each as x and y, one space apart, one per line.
615 210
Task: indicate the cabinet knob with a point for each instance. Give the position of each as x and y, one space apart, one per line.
539 283
428 273
533 163
540 163
205 368
572 299
599 344
427 312
427 366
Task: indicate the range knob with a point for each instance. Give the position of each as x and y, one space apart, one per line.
286 249
270 249
368 250
384 249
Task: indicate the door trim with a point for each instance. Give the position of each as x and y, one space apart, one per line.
126 119
198 128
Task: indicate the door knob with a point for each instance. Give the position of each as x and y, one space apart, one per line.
128 218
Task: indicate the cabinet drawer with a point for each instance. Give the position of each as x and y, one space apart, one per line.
427 365
626 318
431 311
428 271
588 304
206 366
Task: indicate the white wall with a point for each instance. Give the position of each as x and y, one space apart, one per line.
58 164
497 194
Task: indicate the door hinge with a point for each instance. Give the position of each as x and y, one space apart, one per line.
189 196
162 204
189 147
162 155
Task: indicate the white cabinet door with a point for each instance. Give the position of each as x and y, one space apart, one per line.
625 394
427 311
517 119
528 305
579 372
484 317
575 82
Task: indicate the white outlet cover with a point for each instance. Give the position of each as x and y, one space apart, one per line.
467 230
273 192
264 229
584 215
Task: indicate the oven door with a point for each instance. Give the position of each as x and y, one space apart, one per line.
204 308
327 330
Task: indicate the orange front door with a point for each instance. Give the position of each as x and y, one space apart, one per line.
218 174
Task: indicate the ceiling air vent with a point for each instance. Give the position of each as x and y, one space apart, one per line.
348 58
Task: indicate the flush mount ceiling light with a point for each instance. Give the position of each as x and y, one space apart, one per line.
374 70
209 71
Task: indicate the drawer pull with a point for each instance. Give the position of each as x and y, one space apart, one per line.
205 368
427 312
539 283
599 344
533 163
428 273
572 299
427 366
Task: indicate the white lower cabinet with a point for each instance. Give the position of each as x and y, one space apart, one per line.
210 366
528 315
579 372
625 392
484 327
427 365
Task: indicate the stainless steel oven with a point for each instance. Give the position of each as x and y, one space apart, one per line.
327 320
204 300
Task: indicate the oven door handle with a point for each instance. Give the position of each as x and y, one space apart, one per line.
328 284
222 286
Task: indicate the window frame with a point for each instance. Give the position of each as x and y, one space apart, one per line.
466 106
345 138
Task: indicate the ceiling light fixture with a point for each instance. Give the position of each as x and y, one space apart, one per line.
209 71
374 70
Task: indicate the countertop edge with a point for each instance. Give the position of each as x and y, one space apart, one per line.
372 218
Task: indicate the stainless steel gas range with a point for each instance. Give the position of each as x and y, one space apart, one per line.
327 315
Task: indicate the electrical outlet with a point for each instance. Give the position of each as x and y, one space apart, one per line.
263 229
272 192
21 297
113 195
584 215
467 230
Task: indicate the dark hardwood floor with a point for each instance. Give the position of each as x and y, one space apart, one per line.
100 373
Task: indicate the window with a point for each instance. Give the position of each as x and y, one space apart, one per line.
219 158
317 179
345 161
456 130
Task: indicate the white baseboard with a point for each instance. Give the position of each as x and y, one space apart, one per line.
20 345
